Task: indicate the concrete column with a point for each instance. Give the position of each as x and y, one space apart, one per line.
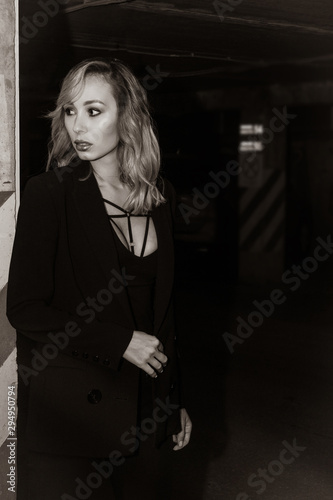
8 211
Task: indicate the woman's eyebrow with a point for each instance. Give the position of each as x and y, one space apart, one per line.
93 101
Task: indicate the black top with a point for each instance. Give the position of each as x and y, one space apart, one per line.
140 289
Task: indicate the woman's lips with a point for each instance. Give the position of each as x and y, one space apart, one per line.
82 145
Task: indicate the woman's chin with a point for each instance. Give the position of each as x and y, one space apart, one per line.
84 155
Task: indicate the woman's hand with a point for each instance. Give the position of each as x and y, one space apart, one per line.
146 352
183 437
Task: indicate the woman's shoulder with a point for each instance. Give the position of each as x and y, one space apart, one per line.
47 188
55 180
47 178
42 181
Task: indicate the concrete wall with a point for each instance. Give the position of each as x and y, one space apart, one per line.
8 210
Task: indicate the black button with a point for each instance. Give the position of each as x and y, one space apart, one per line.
94 396
85 355
75 353
106 361
96 358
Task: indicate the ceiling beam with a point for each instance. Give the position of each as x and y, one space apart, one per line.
74 5
211 15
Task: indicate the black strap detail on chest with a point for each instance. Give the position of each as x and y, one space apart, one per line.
129 215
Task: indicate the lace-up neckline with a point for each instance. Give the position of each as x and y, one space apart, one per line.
128 215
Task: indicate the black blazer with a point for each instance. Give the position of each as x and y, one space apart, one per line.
67 300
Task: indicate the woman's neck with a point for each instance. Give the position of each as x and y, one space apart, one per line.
107 171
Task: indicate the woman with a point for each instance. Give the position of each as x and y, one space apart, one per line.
90 295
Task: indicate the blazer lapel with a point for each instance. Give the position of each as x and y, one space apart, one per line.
91 210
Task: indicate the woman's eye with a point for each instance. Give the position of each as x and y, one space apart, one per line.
93 112
69 111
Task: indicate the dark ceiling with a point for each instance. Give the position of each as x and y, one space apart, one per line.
196 44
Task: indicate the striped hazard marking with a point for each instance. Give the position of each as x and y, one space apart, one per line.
7 333
262 214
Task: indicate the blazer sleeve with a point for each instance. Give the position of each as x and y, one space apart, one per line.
31 286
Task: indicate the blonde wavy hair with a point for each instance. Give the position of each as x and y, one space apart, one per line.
138 151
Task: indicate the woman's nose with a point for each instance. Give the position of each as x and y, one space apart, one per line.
79 124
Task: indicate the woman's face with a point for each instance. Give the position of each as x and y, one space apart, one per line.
91 120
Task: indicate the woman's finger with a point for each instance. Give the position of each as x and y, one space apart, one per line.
160 368
183 437
161 357
187 433
156 364
160 347
148 369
